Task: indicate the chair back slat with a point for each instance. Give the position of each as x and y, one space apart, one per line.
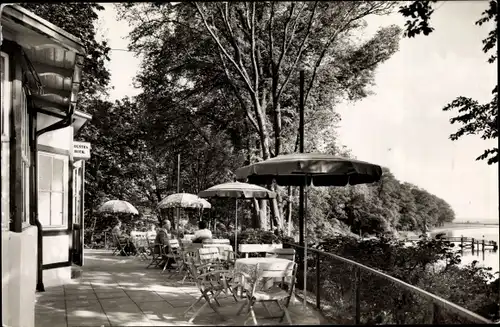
208 254
276 270
173 244
259 248
288 254
216 241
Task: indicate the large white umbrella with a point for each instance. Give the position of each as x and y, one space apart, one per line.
115 206
319 169
237 191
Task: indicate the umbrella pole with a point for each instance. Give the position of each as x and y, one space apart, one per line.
305 245
236 227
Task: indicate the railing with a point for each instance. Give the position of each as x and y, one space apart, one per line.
348 292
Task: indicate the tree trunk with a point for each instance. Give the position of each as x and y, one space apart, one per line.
289 211
255 215
276 214
263 215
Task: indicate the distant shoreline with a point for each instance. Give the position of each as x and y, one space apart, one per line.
453 226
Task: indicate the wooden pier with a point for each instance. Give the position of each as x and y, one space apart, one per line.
467 242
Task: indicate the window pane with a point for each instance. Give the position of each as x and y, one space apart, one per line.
44 208
57 174
24 122
44 172
56 209
26 192
2 64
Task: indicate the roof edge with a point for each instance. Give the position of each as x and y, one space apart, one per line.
20 13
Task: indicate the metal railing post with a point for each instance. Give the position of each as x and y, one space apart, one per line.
318 284
357 286
435 314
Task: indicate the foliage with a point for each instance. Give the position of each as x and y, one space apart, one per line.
475 118
420 13
381 208
431 264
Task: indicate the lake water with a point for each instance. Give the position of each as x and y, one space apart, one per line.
490 233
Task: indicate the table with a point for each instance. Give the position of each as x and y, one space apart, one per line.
249 266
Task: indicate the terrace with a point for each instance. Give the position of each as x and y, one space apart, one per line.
120 291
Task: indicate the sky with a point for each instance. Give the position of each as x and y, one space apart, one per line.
401 126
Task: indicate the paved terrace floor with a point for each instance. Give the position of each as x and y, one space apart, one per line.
120 291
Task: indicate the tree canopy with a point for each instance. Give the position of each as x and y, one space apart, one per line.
475 118
220 88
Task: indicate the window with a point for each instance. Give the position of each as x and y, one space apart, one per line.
5 157
52 190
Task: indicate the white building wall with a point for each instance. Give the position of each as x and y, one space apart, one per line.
60 138
20 278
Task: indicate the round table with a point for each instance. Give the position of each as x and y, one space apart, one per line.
249 266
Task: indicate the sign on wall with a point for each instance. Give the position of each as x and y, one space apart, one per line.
81 150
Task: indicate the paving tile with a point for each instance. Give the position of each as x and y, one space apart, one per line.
181 303
47 302
127 318
103 287
53 290
81 297
49 296
82 291
85 313
144 296
89 322
76 284
52 319
112 294
82 304
157 310
109 304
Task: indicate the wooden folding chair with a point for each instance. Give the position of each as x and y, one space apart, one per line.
282 253
141 245
209 255
211 283
258 294
158 253
172 254
119 246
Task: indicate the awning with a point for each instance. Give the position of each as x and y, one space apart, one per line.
55 55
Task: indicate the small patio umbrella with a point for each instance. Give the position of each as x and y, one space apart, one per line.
183 200
237 191
115 206
319 169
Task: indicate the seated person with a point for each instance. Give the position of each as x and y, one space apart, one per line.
202 233
162 238
123 238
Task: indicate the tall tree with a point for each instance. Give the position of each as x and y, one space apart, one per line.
475 118
248 55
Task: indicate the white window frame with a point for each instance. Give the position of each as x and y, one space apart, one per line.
65 190
6 95
25 160
77 187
